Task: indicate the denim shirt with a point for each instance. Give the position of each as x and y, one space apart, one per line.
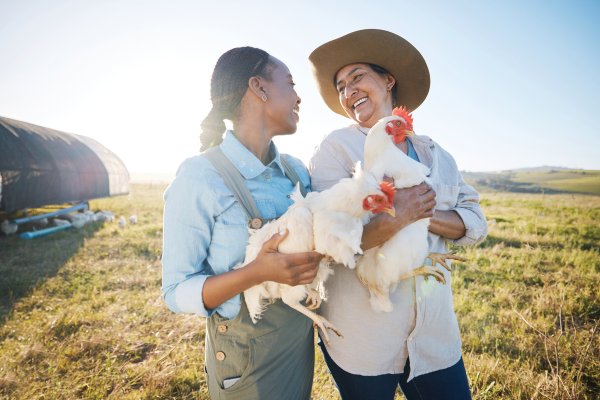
206 230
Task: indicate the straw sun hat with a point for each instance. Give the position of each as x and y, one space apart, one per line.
372 46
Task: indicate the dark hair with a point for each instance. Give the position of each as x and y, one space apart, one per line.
384 72
228 85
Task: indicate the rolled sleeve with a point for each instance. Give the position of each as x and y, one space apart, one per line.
469 210
188 222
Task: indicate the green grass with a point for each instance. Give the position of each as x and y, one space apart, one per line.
82 316
538 181
578 181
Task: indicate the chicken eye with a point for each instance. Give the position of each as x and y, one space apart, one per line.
398 123
388 128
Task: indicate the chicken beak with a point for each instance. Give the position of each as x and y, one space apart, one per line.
391 211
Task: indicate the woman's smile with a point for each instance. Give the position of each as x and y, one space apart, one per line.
358 103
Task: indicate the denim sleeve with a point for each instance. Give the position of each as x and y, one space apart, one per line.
187 227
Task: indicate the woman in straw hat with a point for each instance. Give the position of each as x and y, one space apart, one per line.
206 220
417 346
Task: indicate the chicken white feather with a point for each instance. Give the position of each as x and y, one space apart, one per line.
403 255
341 211
298 220
329 222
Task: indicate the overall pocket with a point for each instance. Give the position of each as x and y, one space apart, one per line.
261 355
232 359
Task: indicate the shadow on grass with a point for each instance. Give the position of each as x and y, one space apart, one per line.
24 264
491 241
578 241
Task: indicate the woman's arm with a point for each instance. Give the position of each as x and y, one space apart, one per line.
412 204
187 234
447 224
463 224
269 265
471 215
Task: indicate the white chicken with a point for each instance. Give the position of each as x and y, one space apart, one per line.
8 228
403 255
340 212
350 199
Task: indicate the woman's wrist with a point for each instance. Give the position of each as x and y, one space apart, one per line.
255 274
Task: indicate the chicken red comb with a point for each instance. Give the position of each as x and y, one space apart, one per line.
389 190
404 114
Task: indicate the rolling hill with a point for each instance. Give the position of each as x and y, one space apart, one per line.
537 180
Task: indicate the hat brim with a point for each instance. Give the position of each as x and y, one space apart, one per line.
372 46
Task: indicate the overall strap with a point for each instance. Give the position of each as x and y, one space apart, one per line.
236 183
292 175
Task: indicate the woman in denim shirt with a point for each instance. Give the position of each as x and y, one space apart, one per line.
206 232
363 75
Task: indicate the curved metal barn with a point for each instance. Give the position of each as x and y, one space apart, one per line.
41 166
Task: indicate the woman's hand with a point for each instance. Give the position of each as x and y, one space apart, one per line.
269 265
290 269
412 204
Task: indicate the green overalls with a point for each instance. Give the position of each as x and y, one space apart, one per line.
274 358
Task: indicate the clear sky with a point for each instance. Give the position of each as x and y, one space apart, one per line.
513 83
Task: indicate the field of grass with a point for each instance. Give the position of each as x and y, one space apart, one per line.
538 180
81 314
580 181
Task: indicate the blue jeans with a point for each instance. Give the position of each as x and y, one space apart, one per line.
446 384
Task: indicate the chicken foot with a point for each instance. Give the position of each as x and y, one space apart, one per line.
318 320
440 258
426 271
313 299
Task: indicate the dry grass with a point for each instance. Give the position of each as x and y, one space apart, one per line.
82 317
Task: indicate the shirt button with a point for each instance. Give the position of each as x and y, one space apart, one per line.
222 328
220 355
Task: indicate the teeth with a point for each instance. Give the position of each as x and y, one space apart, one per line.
359 102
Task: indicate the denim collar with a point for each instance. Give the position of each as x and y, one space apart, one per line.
247 163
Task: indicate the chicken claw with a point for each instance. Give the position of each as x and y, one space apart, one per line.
440 258
426 271
313 299
318 320
324 325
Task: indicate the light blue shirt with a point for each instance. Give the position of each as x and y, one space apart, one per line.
411 150
206 230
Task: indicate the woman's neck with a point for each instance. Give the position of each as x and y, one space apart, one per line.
255 139
382 112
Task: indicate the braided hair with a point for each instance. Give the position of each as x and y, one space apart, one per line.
228 85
